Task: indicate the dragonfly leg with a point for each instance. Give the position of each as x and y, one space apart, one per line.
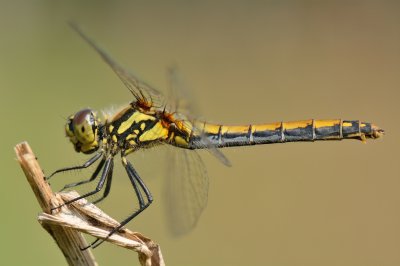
108 186
137 184
133 176
93 177
108 166
85 165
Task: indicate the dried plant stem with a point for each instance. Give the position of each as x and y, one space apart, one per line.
80 216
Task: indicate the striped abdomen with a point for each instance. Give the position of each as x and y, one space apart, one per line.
307 130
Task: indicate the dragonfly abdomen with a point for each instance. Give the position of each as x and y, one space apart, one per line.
280 132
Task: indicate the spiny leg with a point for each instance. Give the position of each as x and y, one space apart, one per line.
85 165
135 180
93 177
108 186
108 166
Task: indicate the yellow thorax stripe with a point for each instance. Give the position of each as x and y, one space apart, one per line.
136 117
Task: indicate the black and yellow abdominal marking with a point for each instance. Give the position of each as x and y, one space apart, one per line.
308 130
144 125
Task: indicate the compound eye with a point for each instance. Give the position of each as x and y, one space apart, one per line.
82 117
82 131
84 126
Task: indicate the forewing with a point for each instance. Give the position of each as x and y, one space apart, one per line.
141 90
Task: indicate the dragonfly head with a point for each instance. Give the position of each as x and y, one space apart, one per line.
82 129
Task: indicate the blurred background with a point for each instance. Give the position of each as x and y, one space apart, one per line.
323 203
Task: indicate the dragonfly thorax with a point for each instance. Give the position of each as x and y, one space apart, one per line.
82 129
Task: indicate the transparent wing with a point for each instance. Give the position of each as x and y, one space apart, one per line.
180 94
143 92
186 190
185 110
210 147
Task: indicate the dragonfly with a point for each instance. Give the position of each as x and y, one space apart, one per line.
148 122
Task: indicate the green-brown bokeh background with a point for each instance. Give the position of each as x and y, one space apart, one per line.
327 203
